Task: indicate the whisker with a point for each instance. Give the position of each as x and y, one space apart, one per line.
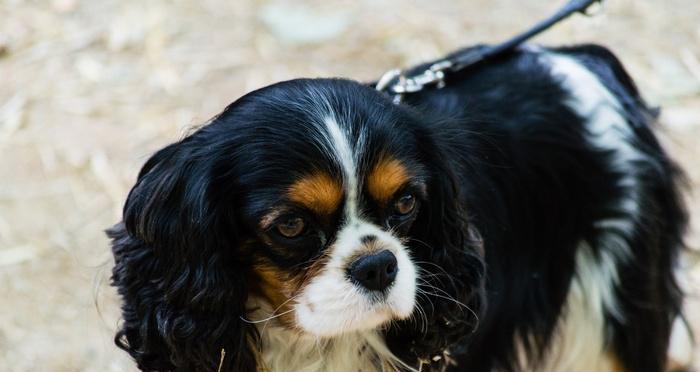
444 294
266 319
429 285
272 316
423 318
423 273
450 298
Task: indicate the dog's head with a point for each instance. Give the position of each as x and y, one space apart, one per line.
319 200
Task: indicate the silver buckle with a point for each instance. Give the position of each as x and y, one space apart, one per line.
435 74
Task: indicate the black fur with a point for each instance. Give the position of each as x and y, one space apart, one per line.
512 183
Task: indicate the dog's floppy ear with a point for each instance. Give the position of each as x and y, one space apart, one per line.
448 253
177 267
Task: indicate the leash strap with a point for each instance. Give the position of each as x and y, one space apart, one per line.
398 82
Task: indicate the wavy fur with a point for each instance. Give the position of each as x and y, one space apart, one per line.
544 203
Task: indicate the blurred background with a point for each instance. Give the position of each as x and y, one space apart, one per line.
89 89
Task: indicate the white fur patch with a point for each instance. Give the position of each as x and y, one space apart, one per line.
286 349
580 338
579 341
608 130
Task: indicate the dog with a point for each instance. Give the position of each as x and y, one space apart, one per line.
524 217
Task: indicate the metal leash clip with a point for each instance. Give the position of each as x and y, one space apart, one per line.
433 75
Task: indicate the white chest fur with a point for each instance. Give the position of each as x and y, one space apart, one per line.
287 350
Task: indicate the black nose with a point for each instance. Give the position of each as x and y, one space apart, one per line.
375 272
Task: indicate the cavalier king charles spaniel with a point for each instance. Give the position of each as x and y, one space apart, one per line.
523 217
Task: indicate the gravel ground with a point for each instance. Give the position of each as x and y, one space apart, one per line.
88 89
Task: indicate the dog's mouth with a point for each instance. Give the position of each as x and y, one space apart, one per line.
353 316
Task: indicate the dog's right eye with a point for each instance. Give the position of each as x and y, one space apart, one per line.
291 227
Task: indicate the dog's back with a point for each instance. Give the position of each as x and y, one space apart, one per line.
579 208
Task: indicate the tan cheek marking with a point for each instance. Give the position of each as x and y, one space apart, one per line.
272 284
387 176
278 286
275 286
319 192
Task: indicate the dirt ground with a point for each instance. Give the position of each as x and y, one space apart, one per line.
88 89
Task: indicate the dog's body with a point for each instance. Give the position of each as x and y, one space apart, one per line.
541 227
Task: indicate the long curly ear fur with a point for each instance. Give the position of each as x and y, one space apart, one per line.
449 255
176 268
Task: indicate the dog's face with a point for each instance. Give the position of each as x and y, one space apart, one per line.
329 248
333 191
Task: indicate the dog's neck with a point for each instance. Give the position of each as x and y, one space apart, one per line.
284 349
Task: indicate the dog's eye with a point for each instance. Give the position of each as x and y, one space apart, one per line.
291 227
405 204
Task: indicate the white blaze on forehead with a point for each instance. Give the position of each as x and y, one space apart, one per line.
333 124
347 158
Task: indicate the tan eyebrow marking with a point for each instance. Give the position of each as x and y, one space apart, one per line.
318 191
387 176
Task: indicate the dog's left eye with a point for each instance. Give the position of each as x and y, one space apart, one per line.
405 204
291 227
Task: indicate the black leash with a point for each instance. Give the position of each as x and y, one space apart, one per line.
398 82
